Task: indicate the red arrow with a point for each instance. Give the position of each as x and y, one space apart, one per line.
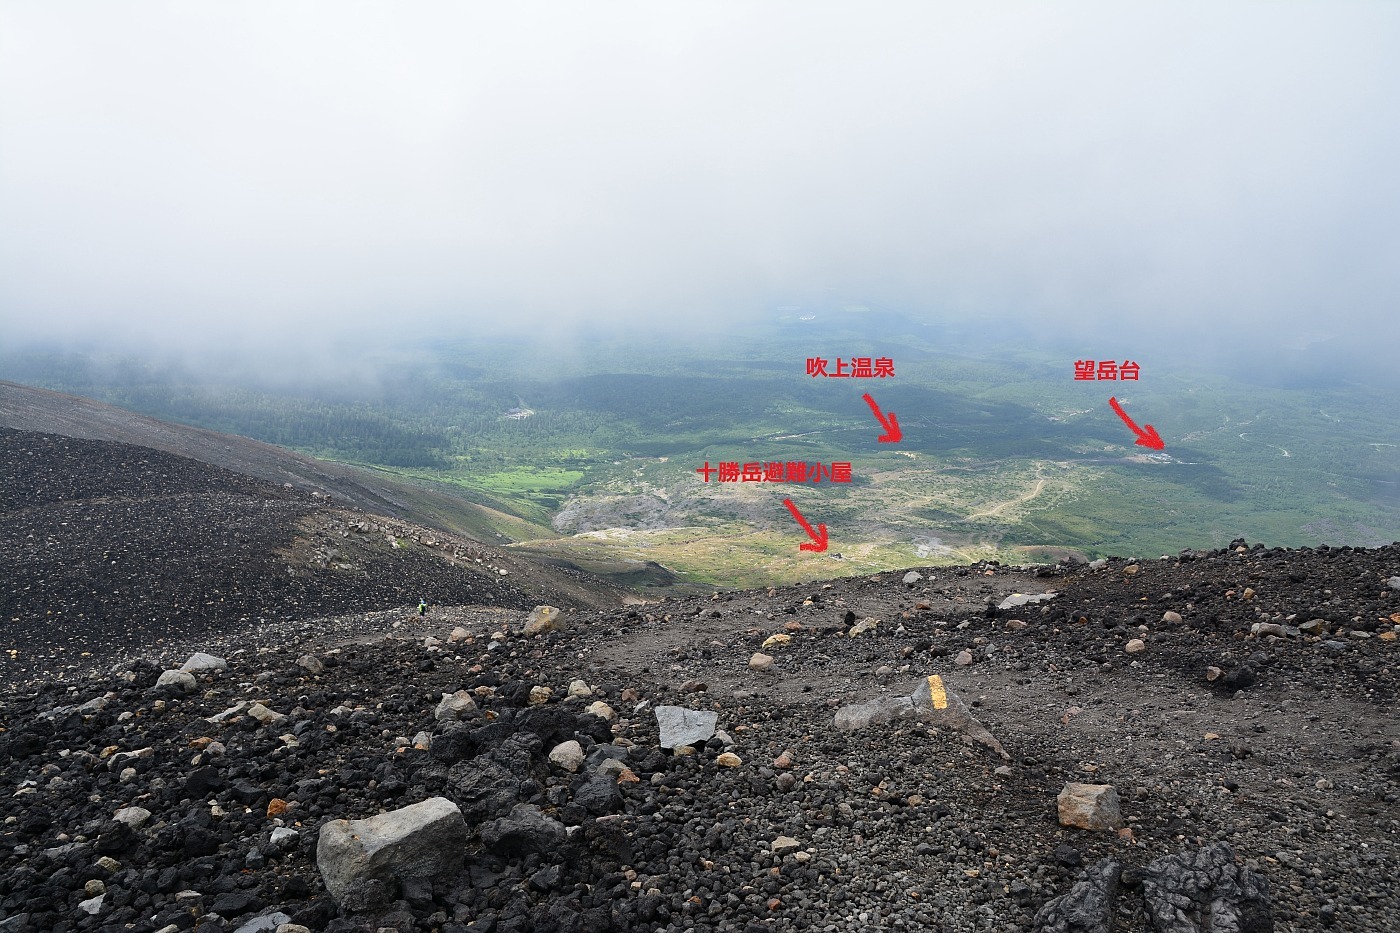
892 435
818 542
1146 437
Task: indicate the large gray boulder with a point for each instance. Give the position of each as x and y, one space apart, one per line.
360 859
680 726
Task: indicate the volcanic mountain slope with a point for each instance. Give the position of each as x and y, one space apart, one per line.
1240 701
27 408
108 546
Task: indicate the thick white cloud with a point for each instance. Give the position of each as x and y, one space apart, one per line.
200 170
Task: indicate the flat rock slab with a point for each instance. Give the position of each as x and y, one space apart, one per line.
420 841
267 923
681 726
932 702
1016 600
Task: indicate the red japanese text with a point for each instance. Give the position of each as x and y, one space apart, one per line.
791 471
858 367
1095 370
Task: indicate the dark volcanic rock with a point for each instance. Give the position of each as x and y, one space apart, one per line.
526 831
1206 891
598 795
1088 907
483 788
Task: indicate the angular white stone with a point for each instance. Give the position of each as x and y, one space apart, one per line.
567 755
96 703
232 711
282 837
611 766
601 710
268 922
264 715
680 726
200 662
454 706
182 679
861 627
135 817
1021 599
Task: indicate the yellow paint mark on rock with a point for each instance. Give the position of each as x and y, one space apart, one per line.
936 693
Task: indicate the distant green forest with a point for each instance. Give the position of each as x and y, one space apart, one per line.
1003 451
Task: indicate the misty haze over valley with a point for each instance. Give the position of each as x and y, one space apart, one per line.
392 222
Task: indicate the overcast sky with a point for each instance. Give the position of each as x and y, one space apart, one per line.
215 171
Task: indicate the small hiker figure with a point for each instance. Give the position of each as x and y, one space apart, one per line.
422 607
